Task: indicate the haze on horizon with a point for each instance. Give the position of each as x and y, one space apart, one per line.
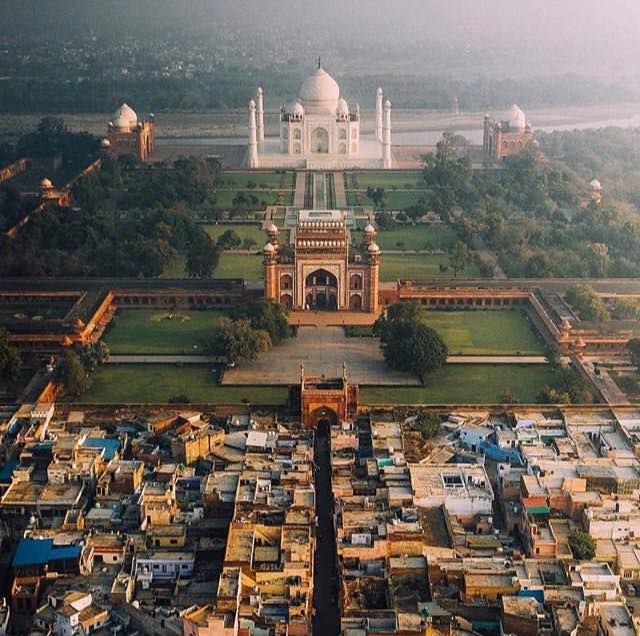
500 37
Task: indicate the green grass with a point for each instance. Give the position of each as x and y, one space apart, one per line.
499 332
415 237
265 180
393 200
629 384
230 265
243 231
134 383
151 331
466 384
247 266
386 179
419 266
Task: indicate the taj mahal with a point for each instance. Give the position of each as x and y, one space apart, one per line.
319 130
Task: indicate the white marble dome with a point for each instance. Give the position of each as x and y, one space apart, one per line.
373 248
517 119
320 91
369 229
125 117
596 185
46 184
294 108
269 249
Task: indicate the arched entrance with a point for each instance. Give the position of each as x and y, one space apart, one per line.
355 302
321 290
320 141
286 300
321 420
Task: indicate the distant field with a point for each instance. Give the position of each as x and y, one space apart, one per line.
152 331
497 332
418 237
417 266
266 180
132 383
466 384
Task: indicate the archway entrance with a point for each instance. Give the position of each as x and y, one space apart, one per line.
321 420
320 141
321 290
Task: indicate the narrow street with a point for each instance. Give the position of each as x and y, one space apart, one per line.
325 595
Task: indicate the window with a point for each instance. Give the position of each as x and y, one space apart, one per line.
452 481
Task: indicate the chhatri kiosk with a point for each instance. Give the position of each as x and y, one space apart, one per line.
319 130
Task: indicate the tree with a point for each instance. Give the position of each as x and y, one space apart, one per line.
376 195
582 545
93 355
634 351
75 378
587 303
267 316
238 341
407 344
598 256
10 362
229 240
508 397
203 257
427 424
385 221
248 244
627 309
459 257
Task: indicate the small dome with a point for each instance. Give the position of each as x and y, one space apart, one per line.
517 119
387 104
320 91
379 91
46 184
343 107
595 185
269 249
125 117
369 229
272 228
252 104
373 248
105 143
294 108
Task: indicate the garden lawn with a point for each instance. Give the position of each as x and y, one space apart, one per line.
147 331
140 383
417 266
466 384
243 231
224 198
393 200
264 180
432 236
386 179
232 265
495 332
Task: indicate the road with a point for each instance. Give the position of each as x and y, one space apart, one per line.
325 583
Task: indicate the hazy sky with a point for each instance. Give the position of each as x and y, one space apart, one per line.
593 36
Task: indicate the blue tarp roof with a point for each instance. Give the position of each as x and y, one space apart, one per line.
111 446
7 469
41 551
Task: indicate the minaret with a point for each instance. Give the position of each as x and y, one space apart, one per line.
260 114
253 139
386 136
379 115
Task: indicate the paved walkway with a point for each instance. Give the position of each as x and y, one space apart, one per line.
610 390
322 351
338 186
298 197
163 359
330 318
497 360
